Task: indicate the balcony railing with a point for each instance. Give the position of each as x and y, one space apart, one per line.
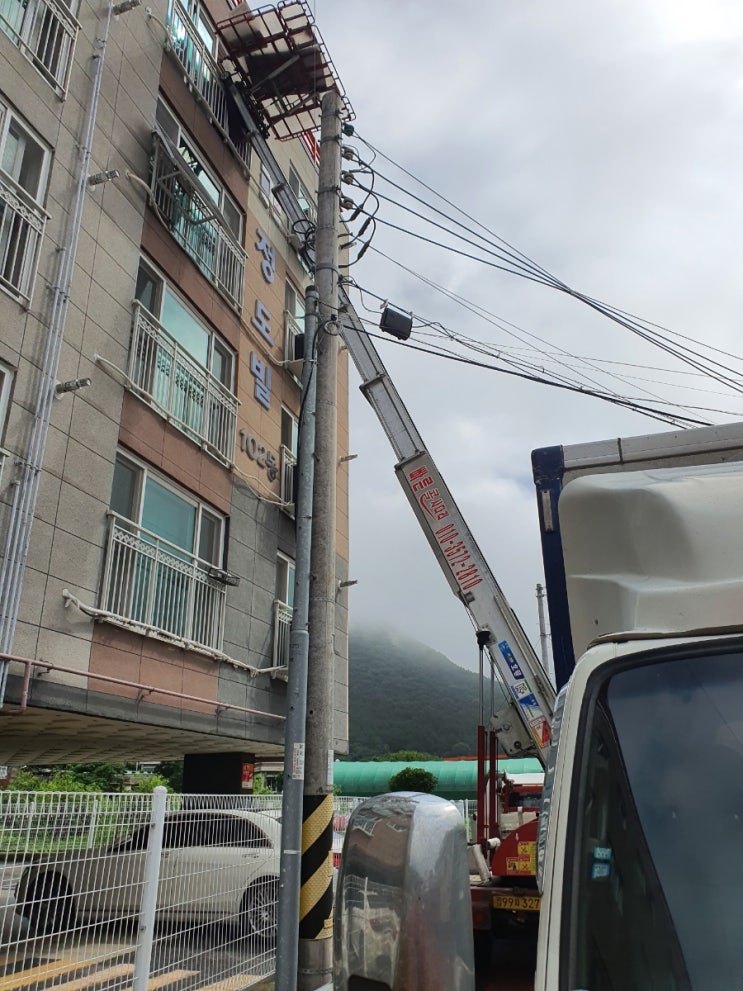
282 622
196 223
45 31
288 464
160 589
201 69
180 388
22 223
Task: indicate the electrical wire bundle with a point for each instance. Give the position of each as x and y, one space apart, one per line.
530 357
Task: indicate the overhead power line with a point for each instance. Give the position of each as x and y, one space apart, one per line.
498 253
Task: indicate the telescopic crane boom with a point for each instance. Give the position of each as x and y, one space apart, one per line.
522 725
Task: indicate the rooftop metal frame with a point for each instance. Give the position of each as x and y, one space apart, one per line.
278 61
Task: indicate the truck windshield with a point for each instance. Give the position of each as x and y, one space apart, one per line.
658 877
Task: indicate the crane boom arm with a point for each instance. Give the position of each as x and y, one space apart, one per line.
523 726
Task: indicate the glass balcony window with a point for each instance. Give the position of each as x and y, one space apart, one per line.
197 210
24 165
163 560
192 40
181 367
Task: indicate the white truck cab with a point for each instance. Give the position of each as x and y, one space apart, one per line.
641 833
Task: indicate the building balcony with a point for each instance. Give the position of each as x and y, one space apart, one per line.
201 70
22 223
196 223
288 464
181 389
45 31
282 623
159 589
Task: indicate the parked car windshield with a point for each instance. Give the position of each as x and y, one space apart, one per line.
659 870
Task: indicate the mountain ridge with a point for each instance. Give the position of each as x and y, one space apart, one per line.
405 695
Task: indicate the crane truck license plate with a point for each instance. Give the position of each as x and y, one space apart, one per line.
517 903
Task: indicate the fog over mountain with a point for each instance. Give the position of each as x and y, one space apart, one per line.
403 695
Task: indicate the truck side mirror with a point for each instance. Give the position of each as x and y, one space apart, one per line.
403 920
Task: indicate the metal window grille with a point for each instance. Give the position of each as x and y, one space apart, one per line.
196 224
288 464
180 388
159 588
22 223
282 622
45 31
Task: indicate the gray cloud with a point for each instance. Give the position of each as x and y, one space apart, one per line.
603 139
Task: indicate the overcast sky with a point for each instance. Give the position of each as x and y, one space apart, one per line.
602 138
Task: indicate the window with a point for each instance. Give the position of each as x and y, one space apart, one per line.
172 349
266 184
45 31
199 212
306 200
206 347
283 610
657 880
212 188
155 505
24 166
294 314
289 446
163 568
236 831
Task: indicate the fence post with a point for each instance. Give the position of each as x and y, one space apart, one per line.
30 812
93 825
143 956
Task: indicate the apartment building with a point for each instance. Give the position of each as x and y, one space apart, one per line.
157 192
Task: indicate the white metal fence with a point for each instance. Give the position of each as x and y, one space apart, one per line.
133 892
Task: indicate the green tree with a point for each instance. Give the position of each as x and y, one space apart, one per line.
172 771
406 755
146 783
413 779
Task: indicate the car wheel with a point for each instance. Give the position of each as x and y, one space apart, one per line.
258 910
50 907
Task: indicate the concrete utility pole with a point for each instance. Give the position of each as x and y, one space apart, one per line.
316 898
287 931
543 635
